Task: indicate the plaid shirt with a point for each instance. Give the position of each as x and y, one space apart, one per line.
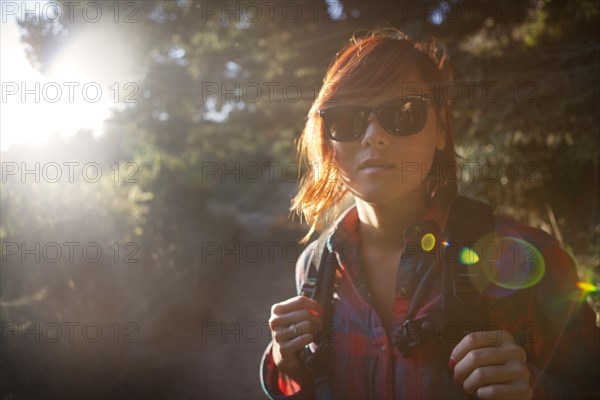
366 362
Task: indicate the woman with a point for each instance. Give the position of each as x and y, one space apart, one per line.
375 134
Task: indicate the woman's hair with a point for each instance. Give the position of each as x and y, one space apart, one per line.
377 62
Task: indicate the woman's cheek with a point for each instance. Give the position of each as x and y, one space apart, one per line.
345 166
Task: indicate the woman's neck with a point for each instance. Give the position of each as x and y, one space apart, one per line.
382 225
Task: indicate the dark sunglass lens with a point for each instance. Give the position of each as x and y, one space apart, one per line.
404 118
345 123
359 120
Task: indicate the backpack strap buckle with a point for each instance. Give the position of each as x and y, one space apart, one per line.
408 337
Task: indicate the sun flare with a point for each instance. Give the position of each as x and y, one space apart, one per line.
77 92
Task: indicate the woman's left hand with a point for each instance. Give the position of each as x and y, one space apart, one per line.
491 365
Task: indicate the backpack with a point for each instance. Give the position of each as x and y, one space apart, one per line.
468 221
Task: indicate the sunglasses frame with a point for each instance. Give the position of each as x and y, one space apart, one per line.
375 109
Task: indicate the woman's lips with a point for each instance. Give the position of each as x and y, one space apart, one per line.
375 166
376 169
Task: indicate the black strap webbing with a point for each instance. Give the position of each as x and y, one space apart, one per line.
469 224
469 220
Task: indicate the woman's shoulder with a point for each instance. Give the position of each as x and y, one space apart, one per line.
543 254
507 226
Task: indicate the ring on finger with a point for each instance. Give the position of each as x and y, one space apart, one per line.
294 332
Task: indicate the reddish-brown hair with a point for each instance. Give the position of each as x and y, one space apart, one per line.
369 65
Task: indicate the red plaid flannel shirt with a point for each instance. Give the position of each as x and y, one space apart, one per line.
562 339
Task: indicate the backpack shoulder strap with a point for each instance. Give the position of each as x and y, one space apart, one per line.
469 219
319 269
319 265
468 222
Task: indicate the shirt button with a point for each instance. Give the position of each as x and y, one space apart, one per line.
402 292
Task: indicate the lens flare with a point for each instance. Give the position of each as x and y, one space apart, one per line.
428 242
588 287
468 256
513 263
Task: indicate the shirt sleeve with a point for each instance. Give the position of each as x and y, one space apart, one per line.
275 384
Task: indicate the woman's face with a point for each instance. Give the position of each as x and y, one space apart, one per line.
380 168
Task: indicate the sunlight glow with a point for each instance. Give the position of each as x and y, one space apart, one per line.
77 92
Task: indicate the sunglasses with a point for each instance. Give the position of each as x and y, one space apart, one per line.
402 116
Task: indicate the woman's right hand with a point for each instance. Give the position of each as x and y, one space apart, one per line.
293 324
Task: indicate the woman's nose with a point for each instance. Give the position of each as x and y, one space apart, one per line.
374 135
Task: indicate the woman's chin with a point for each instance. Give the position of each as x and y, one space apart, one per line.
384 195
381 198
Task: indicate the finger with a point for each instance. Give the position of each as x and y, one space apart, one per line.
289 348
296 303
287 331
495 374
291 331
285 320
487 356
518 390
476 340
307 327
288 352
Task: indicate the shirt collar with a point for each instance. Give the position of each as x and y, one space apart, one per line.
433 220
